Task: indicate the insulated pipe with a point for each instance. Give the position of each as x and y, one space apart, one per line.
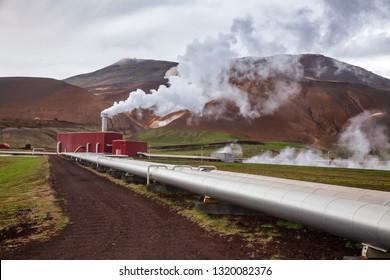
370 196
104 117
364 222
364 195
310 184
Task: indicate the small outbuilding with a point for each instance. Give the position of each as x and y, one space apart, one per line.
129 148
4 146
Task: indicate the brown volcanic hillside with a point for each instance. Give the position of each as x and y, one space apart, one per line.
28 98
328 69
315 116
115 82
331 92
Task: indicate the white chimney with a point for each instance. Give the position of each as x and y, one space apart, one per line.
104 121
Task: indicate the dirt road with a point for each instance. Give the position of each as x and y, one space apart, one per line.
111 222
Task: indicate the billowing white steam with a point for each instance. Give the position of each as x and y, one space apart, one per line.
291 156
233 148
205 71
361 138
283 70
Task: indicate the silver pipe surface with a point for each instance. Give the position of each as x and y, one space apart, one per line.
374 197
309 184
364 222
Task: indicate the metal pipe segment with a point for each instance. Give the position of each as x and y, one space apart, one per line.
310 184
364 222
370 196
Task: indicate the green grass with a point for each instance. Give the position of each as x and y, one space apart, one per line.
28 209
248 150
165 137
277 146
200 138
288 224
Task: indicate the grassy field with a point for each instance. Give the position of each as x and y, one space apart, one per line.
201 140
165 136
28 208
248 150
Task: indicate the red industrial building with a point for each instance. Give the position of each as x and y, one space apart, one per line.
98 142
128 148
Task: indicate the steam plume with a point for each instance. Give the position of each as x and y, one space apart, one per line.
361 137
205 72
366 142
233 148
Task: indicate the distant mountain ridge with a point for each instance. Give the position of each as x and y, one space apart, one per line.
329 69
116 81
323 68
45 98
331 92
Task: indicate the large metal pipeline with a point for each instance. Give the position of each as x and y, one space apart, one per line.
360 221
364 222
369 196
365 195
309 184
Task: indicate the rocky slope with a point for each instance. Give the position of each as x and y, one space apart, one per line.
43 98
115 82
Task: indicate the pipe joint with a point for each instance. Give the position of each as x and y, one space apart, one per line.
153 166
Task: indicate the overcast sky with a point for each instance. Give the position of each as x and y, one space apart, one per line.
59 39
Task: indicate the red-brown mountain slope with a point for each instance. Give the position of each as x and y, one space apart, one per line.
115 82
330 93
44 98
316 115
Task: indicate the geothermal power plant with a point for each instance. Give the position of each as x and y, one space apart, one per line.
99 142
357 214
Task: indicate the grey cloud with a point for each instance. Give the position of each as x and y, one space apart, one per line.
94 32
368 46
346 18
252 39
306 30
